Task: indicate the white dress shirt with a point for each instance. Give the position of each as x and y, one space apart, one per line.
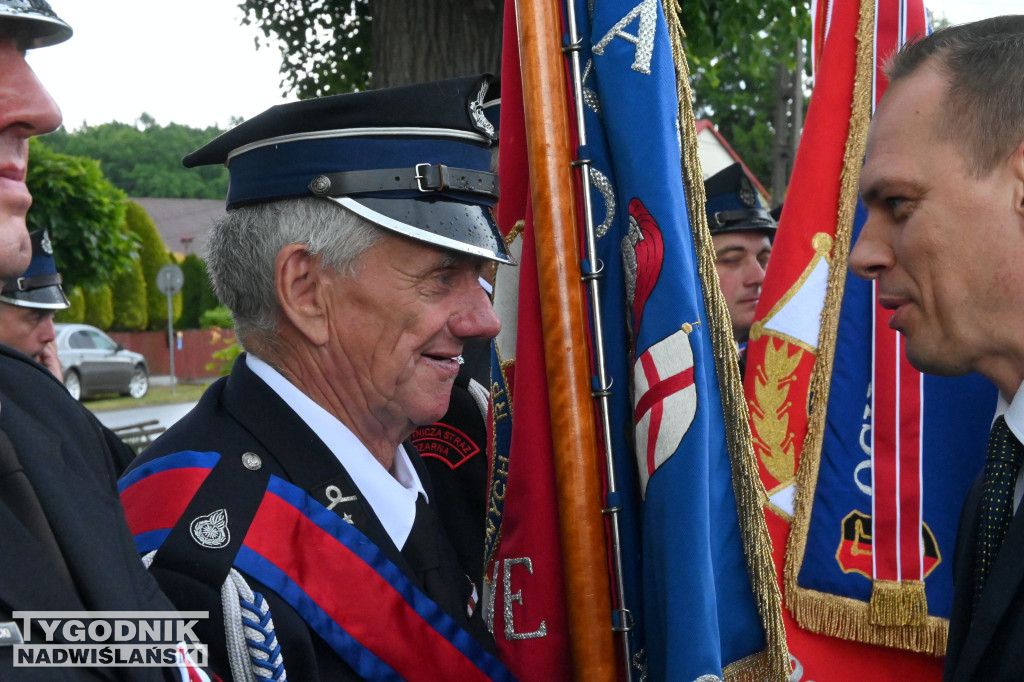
391 494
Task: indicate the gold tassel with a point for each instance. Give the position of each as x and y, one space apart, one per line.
895 602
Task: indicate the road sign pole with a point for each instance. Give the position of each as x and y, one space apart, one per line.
170 338
170 280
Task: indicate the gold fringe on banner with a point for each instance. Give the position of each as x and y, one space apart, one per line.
898 602
821 612
848 618
773 663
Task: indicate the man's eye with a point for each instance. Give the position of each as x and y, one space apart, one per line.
898 206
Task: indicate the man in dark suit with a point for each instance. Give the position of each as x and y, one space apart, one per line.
289 502
943 183
64 543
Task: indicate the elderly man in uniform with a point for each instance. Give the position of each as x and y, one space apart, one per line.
288 503
943 183
28 304
741 230
64 542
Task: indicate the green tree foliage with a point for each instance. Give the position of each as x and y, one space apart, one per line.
145 159
197 294
99 307
219 316
84 213
129 290
153 257
325 44
76 313
733 49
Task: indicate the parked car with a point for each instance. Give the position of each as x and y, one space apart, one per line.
93 363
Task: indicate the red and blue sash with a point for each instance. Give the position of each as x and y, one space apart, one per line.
347 591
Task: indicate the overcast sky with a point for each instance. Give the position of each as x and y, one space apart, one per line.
191 61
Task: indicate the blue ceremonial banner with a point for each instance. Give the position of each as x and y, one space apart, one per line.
687 581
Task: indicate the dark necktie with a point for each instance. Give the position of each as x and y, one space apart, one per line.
1005 454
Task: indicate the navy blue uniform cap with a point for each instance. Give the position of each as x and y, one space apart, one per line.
36 18
415 160
733 204
40 285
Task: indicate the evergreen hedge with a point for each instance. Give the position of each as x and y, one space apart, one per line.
129 290
99 307
76 313
153 257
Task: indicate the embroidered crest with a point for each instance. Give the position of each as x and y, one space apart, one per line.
446 443
45 244
211 531
665 401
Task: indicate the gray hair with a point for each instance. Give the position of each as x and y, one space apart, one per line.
983 107
243 247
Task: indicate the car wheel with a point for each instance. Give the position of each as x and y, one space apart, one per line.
73 383
139 384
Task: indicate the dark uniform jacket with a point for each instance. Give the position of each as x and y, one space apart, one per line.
240 415
988 646
71 462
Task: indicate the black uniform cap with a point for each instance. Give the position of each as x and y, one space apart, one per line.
733 204
415 160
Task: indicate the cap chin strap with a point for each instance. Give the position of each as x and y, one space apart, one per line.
423 177
755 217
37 282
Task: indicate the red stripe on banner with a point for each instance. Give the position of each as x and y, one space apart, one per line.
354 595
896 463
158 501
887 37
884 450
911 548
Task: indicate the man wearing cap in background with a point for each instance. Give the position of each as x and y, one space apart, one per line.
28 304
64 542
741 230
358 227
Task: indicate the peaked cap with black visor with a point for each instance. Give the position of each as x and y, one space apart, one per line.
39 24
733 204
415 160
40 285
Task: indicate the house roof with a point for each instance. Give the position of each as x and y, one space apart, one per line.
716 153
183 224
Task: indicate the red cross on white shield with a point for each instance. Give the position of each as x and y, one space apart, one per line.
664 401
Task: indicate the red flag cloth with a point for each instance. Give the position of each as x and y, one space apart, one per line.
525 589
784 342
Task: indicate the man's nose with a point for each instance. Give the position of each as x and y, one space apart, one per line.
477 319
25 105
872 253
46 330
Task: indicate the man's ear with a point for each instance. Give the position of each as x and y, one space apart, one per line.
298 282
1017 166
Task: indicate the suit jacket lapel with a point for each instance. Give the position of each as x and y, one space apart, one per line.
1004 580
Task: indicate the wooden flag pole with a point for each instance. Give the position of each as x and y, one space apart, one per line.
564 317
